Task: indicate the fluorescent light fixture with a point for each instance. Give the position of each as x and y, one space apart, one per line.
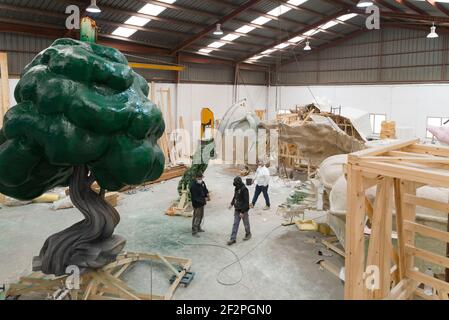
282 45
365 3
279 10
245 29
124 32
432 33
307 47
261 20
137 21
205 50
218 31
296 2
216 44
296 39
346 17
256 57
230 37
93 7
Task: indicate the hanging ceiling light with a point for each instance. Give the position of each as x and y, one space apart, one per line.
218 31
307 47
93 7
432 33
365 3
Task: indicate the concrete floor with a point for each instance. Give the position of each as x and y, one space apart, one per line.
277 263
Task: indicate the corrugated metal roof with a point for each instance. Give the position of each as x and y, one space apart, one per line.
202 13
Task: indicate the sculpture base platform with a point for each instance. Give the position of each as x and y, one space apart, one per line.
101 284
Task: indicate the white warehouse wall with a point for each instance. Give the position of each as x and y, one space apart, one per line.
407 104
190 98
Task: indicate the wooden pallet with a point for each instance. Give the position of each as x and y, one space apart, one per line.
101 284
397 170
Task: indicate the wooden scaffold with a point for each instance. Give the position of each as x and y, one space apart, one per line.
397 170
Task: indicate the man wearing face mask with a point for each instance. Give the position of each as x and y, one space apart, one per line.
199 195
240 202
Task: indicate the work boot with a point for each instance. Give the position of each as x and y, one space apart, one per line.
201 230
195 234
231 242
247 237
266 208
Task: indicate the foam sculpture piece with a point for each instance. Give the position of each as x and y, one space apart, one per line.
441 133
82 115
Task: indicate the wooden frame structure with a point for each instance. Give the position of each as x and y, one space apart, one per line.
397 170
4 94
104 283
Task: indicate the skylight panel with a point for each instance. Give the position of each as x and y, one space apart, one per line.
216 44
205 50
137 21
261 20
279 10
245 29
296 2
347 16
124 32
283 45
230 37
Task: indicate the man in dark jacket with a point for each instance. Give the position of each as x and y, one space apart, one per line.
240 202
199 195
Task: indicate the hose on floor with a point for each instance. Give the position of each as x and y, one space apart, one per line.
237 258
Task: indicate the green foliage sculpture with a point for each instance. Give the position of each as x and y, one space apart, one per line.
82 116
200 161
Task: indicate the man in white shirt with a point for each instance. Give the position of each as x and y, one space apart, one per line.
262 179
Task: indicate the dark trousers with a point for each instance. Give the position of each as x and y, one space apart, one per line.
235 227
264 190
198 214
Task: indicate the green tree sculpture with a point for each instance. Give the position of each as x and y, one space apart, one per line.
82 116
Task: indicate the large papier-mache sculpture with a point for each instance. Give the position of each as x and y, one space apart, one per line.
82 116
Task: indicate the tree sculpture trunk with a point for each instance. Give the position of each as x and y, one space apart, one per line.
89 243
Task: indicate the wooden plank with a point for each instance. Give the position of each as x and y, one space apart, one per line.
381 149
429 150
406 159
355 240
4 86
333 247
427 255
408 213
398 198
426 279
380 245
402 291
426 176
426 203
332 268
426 231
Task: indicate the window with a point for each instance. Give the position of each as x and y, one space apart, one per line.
435 122
376 122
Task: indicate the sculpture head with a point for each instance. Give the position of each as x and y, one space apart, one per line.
79 104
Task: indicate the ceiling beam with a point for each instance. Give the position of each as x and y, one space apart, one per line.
205 31
49 31
350 36
204 13
411 6
438 6
298 33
